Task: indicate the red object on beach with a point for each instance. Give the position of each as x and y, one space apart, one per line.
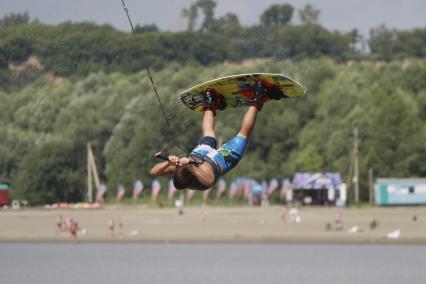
4 194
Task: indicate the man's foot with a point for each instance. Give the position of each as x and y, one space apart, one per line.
212 100
260 96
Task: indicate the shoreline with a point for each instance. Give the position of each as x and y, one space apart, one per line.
218 225
221 242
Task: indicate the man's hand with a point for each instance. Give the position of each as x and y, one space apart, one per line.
179 161
174 160
165 168
184 161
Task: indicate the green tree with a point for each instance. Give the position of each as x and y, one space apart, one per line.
413 42
15 19
207 7
191 14
310 41
277 15
18 49
229 24
381 42
146 28
309 14
357 40
14 147
48 173
394 135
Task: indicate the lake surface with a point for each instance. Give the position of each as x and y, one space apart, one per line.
210 263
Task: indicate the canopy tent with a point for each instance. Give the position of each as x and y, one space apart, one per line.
318 188
316 180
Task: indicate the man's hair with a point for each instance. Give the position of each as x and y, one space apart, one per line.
182 177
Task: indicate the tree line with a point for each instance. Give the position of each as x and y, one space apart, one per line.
78 49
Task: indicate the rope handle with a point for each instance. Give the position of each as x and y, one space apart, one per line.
164 157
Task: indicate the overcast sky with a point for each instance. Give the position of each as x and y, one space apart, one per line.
340 15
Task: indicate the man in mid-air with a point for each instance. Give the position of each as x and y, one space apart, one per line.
205 164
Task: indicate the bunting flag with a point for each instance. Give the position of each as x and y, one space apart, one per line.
273 185
189 194
206 194
120 192
238 188
137 189
171 190
233 189
285 187
247 187
221 187
155 189
100 193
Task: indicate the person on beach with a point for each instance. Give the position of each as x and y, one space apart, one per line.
73 229
60 224
111 227
120 226
205 164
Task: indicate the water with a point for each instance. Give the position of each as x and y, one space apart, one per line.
211 263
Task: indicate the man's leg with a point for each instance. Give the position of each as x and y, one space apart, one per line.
233 150
256 104
208 123
249 120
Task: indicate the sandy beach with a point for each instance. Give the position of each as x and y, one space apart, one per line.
218 224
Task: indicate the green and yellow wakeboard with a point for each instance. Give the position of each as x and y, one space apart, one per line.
238 89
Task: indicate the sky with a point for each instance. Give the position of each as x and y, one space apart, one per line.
342 15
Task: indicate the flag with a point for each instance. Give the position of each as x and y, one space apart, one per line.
171 189
137 189
155 189
190 194
120 192
206 194
100 193
285 187
221 187
273 185
247 187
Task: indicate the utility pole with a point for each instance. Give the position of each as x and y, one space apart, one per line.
91 171
89 177
356 168
371 185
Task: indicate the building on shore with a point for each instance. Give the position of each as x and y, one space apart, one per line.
400 191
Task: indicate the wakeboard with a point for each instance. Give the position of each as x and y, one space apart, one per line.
238 90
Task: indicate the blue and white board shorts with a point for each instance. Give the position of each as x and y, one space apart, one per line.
226 157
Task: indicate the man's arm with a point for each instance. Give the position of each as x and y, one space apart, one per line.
203 172
165 168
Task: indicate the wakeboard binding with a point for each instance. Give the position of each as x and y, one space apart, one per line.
212 100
